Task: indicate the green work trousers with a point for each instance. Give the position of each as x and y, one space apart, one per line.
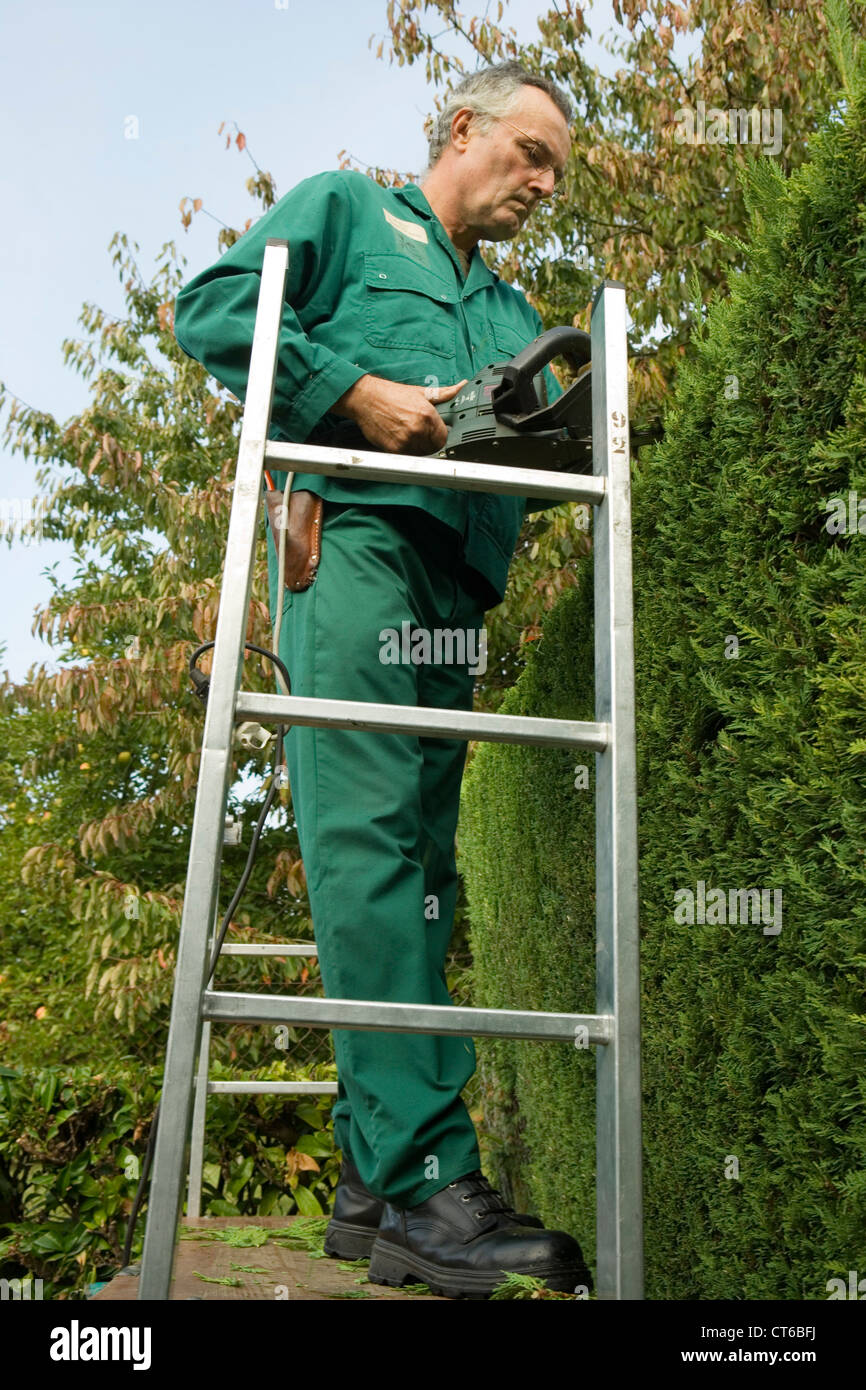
376 817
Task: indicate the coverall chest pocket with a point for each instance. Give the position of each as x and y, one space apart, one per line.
509 341
406 306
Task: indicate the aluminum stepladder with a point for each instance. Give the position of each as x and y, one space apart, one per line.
615 1028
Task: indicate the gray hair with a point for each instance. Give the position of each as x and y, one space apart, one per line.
490 93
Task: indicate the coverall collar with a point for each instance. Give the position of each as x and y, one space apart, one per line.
479 275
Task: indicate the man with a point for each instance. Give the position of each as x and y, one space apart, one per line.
389 308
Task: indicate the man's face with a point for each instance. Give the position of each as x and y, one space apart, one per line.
499 184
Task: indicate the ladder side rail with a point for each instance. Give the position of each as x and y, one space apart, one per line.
199 1119
618 1093
199 1106
201 896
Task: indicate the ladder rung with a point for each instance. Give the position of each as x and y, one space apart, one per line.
415 719
261 948
407 1018
452 473
272 1088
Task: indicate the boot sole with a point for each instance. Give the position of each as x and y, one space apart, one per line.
395 1266
346 1242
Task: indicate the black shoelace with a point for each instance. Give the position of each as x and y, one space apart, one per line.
479 1189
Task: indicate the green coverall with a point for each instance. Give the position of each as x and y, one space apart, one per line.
375 285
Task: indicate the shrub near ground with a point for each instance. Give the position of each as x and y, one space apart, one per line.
71 1148
750 634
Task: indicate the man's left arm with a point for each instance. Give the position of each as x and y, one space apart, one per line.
215 312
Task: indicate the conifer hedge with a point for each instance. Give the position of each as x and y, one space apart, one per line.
750 650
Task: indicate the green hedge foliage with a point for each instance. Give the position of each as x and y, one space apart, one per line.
750 649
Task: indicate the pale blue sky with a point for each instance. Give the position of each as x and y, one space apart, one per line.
297 77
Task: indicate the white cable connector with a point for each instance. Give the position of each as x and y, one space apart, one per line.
232 831
253 736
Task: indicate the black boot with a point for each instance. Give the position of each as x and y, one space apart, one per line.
352 1229
463 1240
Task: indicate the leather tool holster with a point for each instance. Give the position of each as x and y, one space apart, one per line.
304 539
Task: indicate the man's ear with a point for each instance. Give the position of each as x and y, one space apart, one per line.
461 127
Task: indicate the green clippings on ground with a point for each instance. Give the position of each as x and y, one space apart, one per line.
525 1286
416 1288
311 1254
348 1293
250 1269
352 1265
307 1233
237 1236
211 1279
249 1236
363 1279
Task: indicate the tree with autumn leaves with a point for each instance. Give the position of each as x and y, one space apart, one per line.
100 765
101 758
640 204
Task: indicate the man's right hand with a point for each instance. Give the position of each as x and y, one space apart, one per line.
400 419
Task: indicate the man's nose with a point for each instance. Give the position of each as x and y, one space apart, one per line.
543 183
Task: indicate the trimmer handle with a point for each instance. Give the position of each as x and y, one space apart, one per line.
515 401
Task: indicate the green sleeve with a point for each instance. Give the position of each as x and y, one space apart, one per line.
215 313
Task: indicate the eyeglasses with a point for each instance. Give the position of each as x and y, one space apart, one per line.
537 155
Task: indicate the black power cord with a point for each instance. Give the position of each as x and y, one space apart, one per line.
202 688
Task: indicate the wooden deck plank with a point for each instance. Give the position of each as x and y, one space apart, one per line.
274 1271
